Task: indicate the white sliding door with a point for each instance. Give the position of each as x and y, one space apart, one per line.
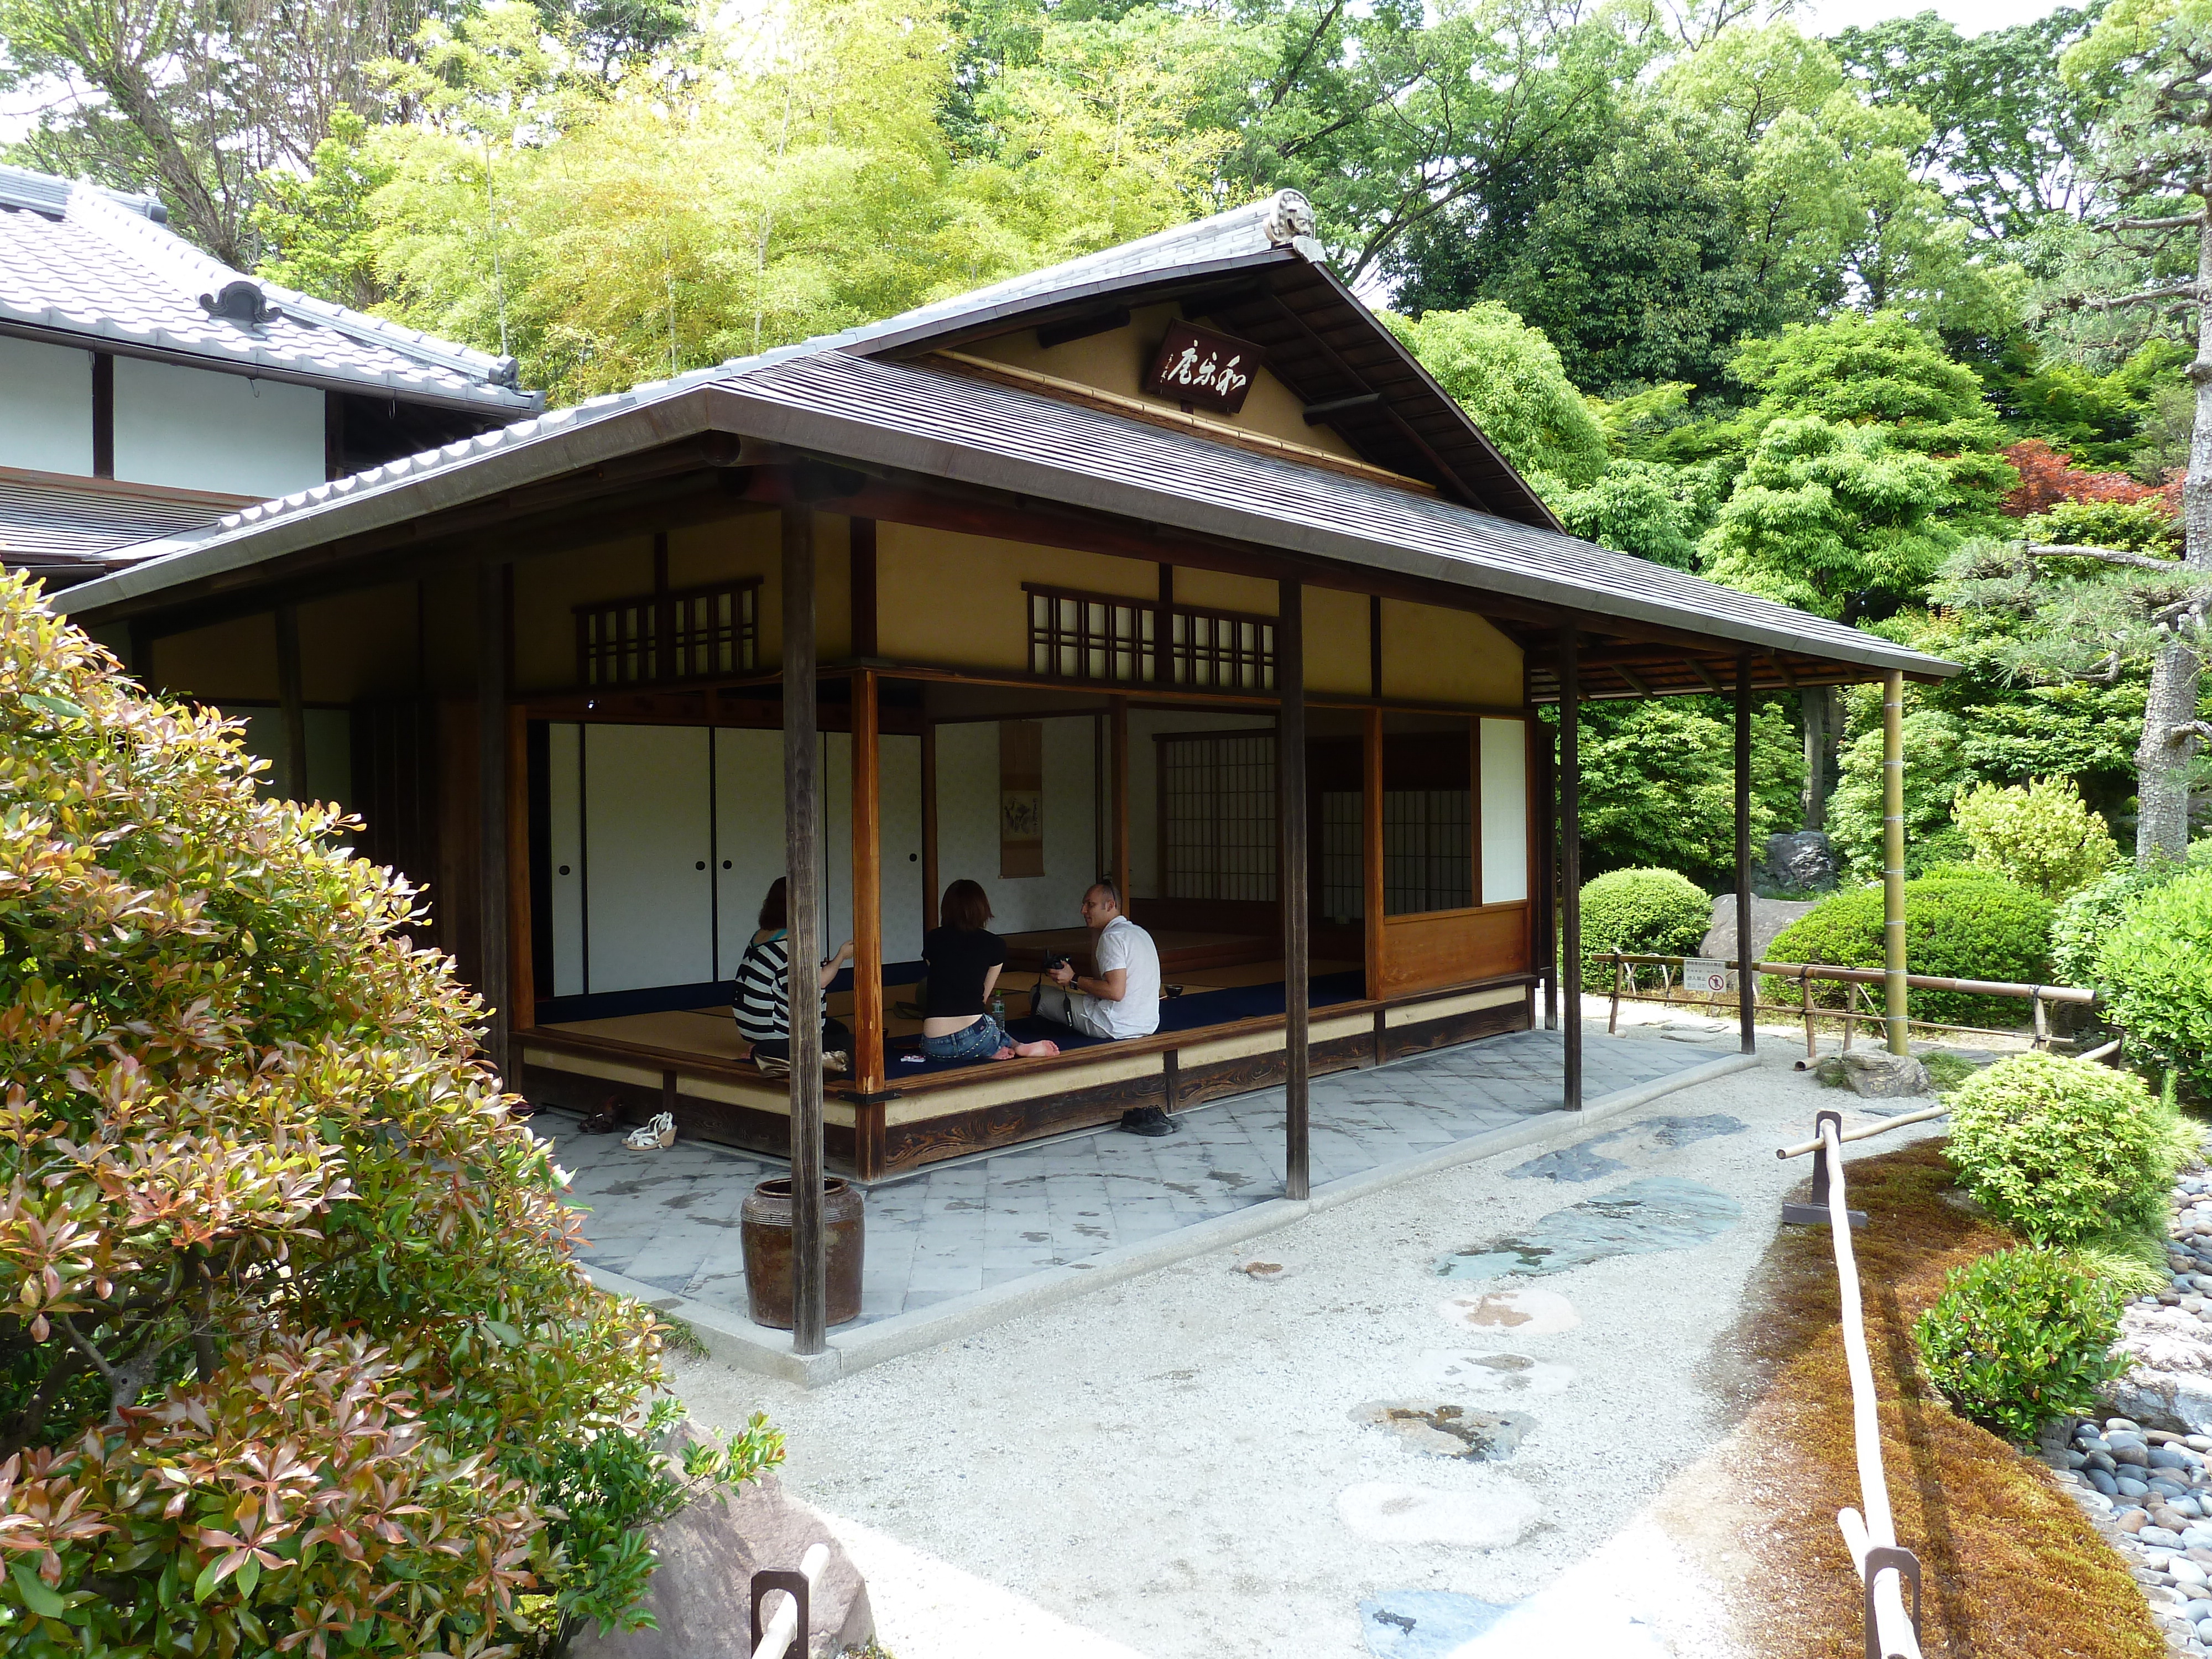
564 789
1505 811
900 814
747 834
648 843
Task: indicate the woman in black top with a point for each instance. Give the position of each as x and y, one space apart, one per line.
964 959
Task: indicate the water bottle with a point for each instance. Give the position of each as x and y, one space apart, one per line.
999 1009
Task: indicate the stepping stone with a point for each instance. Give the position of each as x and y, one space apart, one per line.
1444 1428
1486 1517
1424 1624
1492 1375
1656 1213
1514 1313
1637 1143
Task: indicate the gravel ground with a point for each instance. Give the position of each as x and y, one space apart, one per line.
1177 1466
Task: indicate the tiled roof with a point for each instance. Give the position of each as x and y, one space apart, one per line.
57 525
96 266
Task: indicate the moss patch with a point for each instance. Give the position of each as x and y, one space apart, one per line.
2010 1565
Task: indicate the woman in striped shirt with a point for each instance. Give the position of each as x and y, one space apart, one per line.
763 1005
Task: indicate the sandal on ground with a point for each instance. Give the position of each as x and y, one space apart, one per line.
601 1122
837 1063
655 1134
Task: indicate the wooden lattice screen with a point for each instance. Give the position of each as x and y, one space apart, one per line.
1099 636
693 634
1218 835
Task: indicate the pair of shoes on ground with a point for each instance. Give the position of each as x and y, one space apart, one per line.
601 1122
657 1134
1151 1121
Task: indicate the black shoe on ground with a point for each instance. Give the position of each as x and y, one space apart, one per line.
1151 1121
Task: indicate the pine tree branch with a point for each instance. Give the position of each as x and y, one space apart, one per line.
2120 555
2172 222
2189 729
2118 302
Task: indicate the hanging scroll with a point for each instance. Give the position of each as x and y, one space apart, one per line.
1021 797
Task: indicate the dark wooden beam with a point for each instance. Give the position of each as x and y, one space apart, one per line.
291 778
1317 413
1746 981
1632 680
1371 852
1290 884
103 414
864 587
1375 646
867 890
1571 867
493 662
1704 673
803 889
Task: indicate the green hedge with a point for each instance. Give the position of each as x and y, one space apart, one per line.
2019 1338
1648 912
2157 966
2064 1149
1959 924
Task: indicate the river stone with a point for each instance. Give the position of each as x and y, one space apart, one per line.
1877 1074
1513 1313
1802 859
1444 1428
1768 918
2178 1401
1424 1623
1659 1213
1490 1516
701 1592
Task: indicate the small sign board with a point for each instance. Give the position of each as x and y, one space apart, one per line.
1709 974
1196 365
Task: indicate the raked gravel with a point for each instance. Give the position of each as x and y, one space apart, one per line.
1175 1467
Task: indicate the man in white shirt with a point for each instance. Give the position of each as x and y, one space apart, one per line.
1124 999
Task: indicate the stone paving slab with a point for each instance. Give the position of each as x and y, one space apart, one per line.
670 1219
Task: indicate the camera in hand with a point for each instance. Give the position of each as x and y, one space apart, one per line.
1054 964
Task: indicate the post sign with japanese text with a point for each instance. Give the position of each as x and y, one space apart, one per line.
1196 365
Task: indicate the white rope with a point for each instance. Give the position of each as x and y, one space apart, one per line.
1878 1529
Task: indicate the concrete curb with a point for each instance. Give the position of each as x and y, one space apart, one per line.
736 1340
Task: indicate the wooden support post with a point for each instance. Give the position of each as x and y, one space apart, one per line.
1570 864
521 953
1547 896
1291 782
1805 1002
1746 981
803 878
291 778
1892 861
1371 845
494 622
1118 718
929 892
867 888
863 544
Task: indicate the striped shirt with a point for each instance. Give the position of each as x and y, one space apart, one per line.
763 1005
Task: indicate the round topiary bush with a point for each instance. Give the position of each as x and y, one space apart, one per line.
2063 1148
2157 966
2019 1338
1646 912
292 1321
1959 923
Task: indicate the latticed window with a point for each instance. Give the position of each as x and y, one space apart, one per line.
695 634
1217 816
1089 637
1428 851
1098 636
1343 856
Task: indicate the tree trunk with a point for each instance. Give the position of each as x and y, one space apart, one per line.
1823 725
2164 756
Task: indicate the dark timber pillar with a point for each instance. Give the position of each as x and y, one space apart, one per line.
1290 781
1571 864
494 654
1547 877
867 888
803 878
1747 980
291 778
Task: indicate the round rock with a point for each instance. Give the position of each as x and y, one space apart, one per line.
1486 1516
1512 1313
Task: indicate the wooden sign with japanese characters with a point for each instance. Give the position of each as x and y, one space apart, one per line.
1205 370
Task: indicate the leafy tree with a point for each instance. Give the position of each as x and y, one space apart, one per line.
271 1248
1658 783
1934 767
1508 377
2040 836
1634 506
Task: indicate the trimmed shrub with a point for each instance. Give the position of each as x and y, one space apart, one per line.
1648 912
2081 926
2157 966
2062 1148
2040 836
291 1306
1959 923
2019 1338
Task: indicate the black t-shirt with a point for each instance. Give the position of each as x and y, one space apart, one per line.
959 963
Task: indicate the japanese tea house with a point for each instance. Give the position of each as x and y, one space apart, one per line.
1169 562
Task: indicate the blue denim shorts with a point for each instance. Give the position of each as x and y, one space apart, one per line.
977 1042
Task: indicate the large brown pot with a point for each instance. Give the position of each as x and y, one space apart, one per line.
767 1234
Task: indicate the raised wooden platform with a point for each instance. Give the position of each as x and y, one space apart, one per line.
685 1062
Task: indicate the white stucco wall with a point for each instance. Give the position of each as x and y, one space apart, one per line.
45 407
192 429
968 822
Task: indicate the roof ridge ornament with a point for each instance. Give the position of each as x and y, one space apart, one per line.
1289 217
240 302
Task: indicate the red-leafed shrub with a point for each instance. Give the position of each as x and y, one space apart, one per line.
291 1337
2048 477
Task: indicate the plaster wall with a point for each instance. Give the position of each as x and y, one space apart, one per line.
1434 655
193 429
967 822
45 407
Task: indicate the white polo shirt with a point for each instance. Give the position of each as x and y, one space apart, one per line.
1122 944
